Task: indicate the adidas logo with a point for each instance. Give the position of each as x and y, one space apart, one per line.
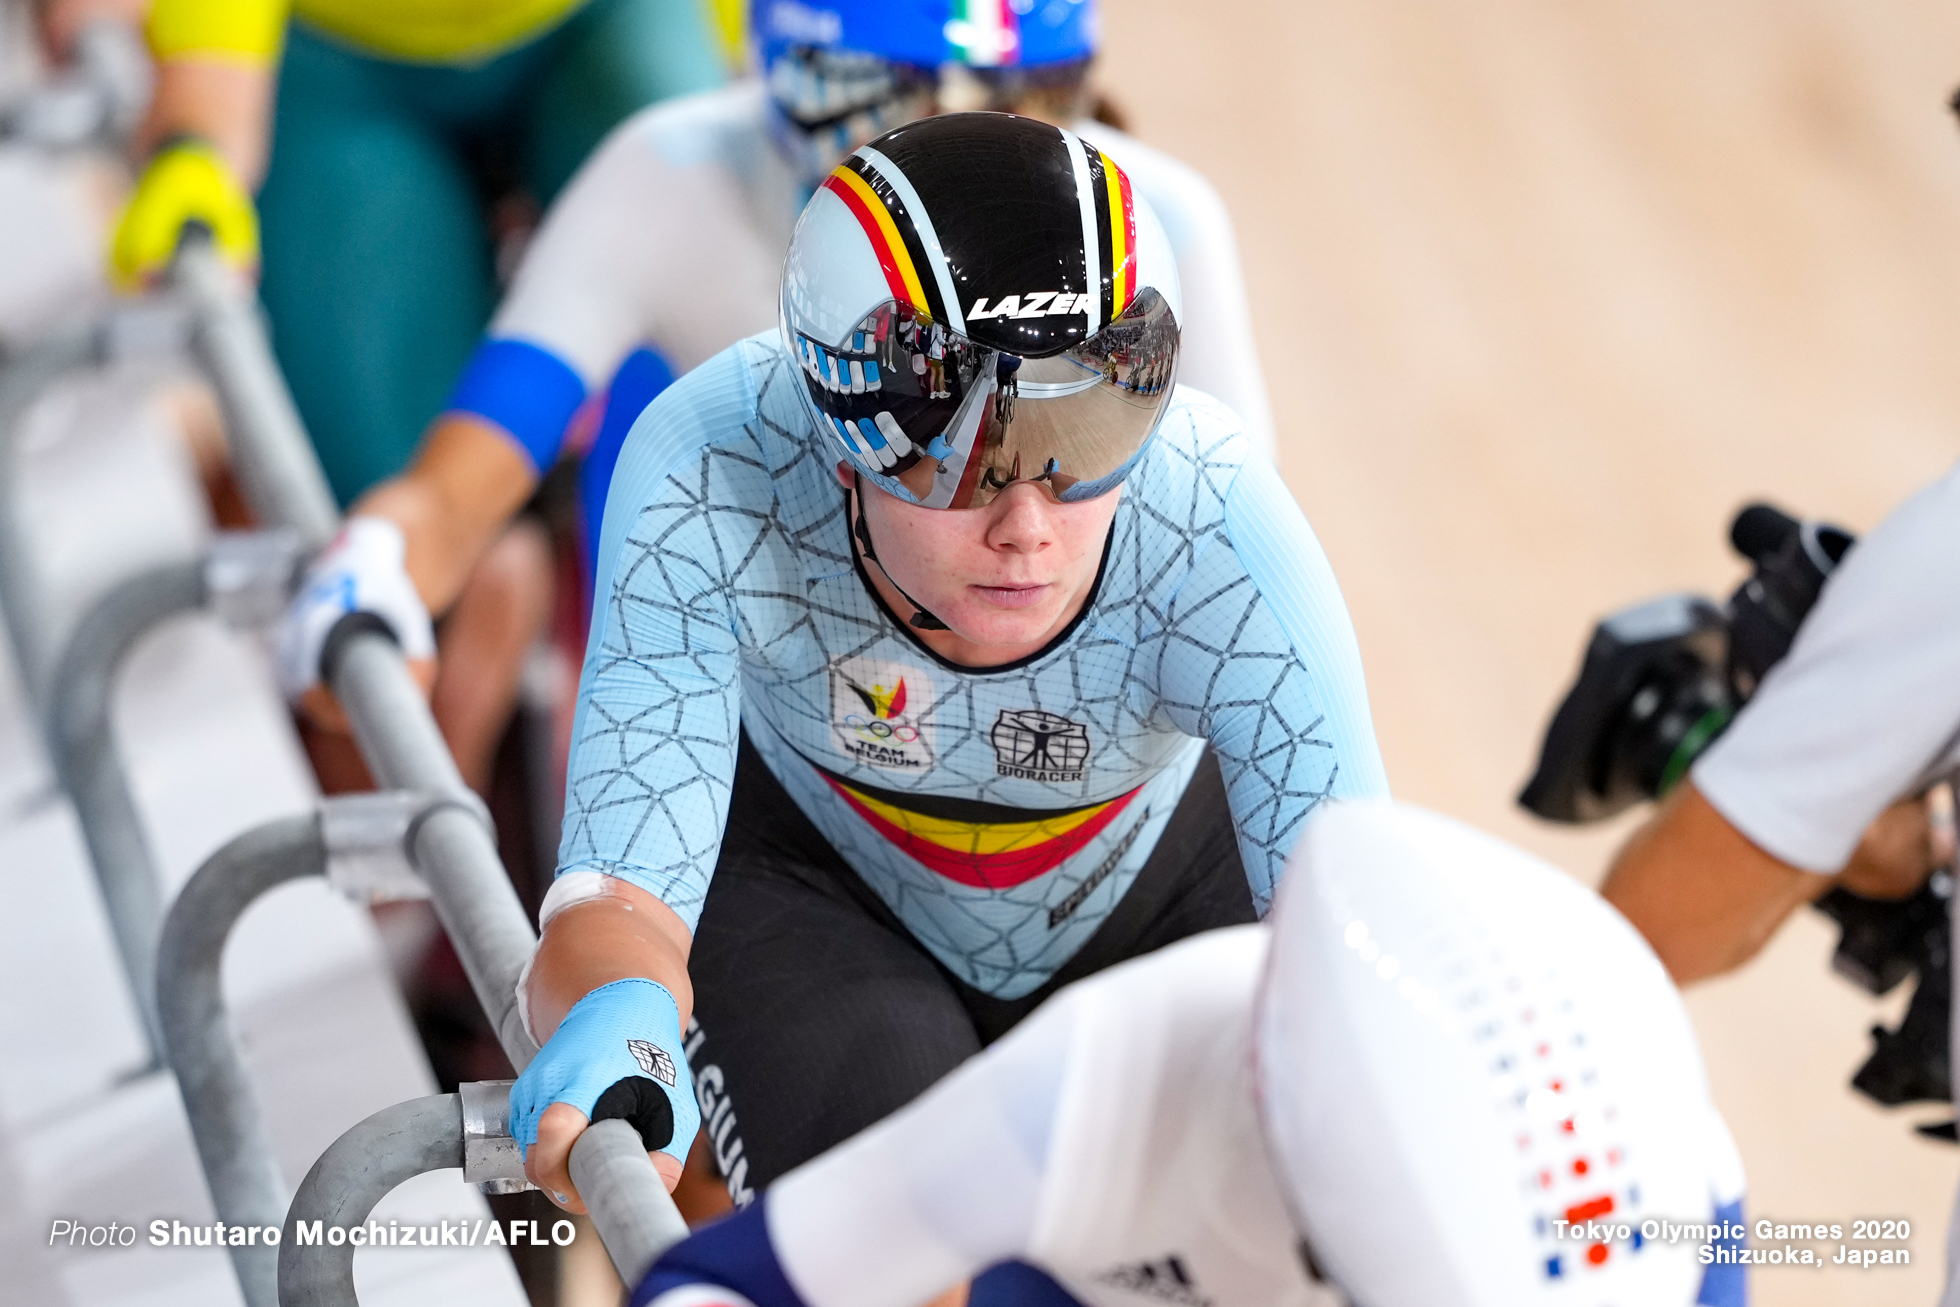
1164 1280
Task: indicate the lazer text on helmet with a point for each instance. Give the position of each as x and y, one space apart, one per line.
1034 304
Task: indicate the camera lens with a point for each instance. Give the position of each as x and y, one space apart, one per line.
1672 717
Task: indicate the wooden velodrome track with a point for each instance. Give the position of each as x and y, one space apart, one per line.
1544 291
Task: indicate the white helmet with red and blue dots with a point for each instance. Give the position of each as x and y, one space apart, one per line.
1478 1083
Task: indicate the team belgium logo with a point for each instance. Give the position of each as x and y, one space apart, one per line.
876 710
881 703
1032 745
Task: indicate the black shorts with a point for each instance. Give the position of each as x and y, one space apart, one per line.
817 1013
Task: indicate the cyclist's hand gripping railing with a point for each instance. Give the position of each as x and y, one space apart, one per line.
453 849
451 846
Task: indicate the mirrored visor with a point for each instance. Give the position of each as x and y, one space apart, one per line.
955 423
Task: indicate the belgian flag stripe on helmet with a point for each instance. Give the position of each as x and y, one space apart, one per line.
900 268
1099 193
1116 225
914 221
1122 238
885 197
1086 190
1010 238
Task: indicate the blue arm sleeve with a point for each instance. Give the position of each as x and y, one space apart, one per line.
1017 1284
527 390
1726 1284
733 1253
638 382
1263 663
654 738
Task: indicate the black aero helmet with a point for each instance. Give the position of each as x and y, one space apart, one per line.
977 299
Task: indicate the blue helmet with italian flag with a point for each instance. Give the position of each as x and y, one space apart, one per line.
977 299
931 33
840 72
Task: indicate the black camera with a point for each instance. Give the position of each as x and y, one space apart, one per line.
1660 681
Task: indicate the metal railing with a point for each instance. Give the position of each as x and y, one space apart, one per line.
89 767
466 1129
355 842
435 822
448 842
234 1144
23 381
243 579
98 98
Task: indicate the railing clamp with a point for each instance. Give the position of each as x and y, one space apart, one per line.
249 576
491 1158
366 838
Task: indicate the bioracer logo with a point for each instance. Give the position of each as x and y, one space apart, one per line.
1032 745
1034 304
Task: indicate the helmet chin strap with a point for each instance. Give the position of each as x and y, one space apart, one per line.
921 619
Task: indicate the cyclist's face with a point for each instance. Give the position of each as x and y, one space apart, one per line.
1005 578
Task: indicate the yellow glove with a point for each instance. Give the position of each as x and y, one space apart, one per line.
187 181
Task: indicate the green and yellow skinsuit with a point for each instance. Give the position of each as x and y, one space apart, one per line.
397 124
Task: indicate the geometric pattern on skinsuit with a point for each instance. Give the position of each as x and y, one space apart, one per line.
1001 813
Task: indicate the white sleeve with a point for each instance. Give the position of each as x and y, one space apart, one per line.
1115 1123
936 1192
652 243
579 291
1867 703
1220 356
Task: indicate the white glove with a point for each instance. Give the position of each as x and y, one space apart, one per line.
360 572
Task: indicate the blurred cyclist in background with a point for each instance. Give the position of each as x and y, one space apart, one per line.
393 144
668 247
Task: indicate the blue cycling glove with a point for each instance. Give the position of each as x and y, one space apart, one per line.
616 1054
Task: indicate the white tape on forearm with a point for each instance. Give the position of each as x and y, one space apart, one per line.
572 888
524 1000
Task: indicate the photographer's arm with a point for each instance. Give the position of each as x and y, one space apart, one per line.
1708 899
1804 791
1703 895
